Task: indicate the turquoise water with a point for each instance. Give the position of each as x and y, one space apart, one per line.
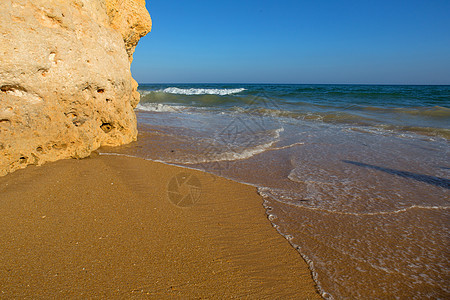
356 178
420 109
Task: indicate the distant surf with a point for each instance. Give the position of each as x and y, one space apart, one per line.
201 91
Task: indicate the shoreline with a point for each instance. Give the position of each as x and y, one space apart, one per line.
105 226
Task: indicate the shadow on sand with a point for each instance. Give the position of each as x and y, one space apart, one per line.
437 181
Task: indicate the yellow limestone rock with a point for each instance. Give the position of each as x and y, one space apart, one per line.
65 81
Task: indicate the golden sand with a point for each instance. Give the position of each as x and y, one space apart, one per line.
105 227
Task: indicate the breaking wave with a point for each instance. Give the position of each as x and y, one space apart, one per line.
159 107
197 91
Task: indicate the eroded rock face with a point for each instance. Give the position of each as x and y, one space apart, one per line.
65 82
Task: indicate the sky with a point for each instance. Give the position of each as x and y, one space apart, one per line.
287 41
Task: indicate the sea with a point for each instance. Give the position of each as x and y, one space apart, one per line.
355 177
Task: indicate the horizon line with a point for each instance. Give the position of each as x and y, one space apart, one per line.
275 83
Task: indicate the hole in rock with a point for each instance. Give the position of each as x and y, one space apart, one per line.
106 127
7 88
59 146
71 114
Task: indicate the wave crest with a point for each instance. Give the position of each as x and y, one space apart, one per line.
159 107
194 91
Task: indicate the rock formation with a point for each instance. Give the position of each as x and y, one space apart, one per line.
65 81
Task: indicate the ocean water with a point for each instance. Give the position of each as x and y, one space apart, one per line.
356 178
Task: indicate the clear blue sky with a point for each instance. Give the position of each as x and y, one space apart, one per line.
288 41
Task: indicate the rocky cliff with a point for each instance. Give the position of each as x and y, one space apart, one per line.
65 81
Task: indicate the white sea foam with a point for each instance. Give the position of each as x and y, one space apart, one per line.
159 107
229 156
218 157
279 196
193 91
236 155
290 238
288 146
144 93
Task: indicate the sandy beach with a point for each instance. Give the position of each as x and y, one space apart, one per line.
107 227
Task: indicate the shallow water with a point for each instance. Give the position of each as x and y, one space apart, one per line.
355 177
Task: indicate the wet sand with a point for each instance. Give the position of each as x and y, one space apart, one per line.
104 227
